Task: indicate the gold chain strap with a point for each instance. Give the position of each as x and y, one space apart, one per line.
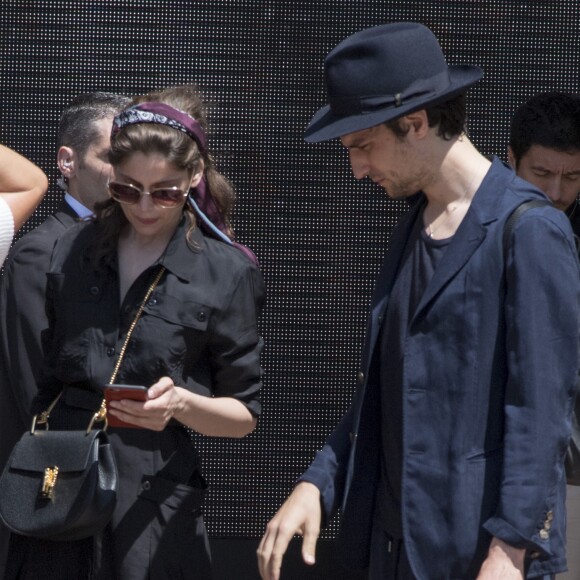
101 414
134 323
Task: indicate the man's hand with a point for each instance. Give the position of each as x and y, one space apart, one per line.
300 514
503 562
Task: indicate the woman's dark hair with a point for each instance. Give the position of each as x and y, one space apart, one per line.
179 149
449 117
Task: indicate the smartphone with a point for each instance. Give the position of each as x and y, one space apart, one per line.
118 392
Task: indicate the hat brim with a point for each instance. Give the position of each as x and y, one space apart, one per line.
325 125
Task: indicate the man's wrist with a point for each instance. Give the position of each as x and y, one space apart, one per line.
500 548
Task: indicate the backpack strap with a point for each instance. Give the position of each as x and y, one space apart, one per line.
515 216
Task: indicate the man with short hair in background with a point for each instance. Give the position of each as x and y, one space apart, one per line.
544 149
82 158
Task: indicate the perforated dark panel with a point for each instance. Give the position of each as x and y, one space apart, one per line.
319 234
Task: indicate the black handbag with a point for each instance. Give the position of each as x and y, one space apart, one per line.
59 485
62 485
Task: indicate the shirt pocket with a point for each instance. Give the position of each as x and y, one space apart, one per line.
178 325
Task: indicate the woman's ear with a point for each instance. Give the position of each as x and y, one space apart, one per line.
196 178
65 159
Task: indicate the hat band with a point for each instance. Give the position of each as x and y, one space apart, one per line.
345 106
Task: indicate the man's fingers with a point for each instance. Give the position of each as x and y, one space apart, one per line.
309 546
272 549
300 514
265 552
264 549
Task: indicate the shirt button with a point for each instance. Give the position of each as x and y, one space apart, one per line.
94 290
201 316
111 351
146 485
153 302
544 534
360 377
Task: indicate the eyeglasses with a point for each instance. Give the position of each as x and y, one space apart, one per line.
166 197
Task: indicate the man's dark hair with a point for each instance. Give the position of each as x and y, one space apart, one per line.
449 117
551 120
76 127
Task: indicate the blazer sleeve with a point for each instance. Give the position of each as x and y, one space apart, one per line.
329 468
542 329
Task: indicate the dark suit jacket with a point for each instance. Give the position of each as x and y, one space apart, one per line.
22 318
490 366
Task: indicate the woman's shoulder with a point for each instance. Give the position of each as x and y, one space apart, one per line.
229 255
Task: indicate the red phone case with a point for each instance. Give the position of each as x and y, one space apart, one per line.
118 392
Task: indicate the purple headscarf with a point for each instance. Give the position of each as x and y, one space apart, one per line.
163 114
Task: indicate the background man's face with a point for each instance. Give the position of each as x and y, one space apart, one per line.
94 171
556 173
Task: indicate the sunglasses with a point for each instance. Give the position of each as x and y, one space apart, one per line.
166 197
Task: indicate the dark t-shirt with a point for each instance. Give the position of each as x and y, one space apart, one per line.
422 254
573 213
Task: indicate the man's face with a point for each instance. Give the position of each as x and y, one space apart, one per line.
556 173
387 159
93 171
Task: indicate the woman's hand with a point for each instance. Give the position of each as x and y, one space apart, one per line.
218 417
163 402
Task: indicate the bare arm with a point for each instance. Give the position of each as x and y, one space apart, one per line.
22 184
217 417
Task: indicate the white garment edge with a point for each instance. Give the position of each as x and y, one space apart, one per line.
6 229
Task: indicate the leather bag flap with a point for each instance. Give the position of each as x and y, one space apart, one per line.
71 451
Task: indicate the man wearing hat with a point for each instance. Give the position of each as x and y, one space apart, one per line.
449 463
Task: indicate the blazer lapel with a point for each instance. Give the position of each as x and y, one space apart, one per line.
467 239
471 232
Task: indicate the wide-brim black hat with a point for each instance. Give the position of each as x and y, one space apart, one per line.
382 73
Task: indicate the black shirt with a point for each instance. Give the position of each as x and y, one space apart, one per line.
573 213
199 327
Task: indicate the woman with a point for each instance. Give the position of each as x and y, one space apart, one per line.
196 346
22 186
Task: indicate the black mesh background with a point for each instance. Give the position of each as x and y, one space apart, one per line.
318 233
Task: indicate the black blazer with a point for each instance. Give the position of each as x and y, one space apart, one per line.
22 318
